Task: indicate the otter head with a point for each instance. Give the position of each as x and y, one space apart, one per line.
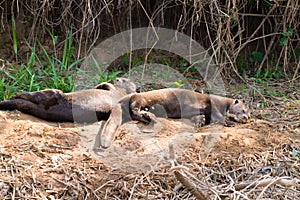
120 83
238 111
125 84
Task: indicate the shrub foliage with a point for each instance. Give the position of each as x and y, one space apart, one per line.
243 36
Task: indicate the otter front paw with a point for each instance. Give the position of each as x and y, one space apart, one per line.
141 116
229 123
146 116
198 121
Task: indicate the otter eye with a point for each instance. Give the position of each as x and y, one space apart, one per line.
117 79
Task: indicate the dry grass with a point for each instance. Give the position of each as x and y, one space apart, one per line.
41 160
229 171
249 174
231 30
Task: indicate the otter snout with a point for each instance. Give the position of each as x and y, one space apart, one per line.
241 118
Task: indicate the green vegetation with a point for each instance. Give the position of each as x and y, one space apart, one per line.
42 70
158 57
98 75
260 52
286 36
14 36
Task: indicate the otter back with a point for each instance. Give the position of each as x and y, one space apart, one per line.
82 106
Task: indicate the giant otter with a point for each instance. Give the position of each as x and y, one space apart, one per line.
80 106
172 103
180 103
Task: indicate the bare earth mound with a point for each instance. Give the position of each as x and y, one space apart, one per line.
47 160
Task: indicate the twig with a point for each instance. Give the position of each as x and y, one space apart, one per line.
190 186
267 52
260 25
284 181
296 72
186 182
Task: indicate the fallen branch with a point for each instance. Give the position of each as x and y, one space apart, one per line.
190 186
283 181
184 180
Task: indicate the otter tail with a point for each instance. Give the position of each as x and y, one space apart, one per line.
8 105
21 105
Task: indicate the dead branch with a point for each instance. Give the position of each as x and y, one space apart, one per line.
183 179
283 181
190 186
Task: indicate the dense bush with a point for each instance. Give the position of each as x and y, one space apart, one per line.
243 36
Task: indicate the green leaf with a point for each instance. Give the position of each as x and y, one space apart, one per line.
53 37
75 63
177 83
283 41
256 56
290 32
258 73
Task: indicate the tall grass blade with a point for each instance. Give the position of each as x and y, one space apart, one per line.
45 53
68 49
32 57
31 83
54 40
14 35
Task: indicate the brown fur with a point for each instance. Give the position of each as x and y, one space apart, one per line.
180 103
81 106
172 103
119 115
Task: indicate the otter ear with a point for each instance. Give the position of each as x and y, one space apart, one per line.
105 86
236 101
